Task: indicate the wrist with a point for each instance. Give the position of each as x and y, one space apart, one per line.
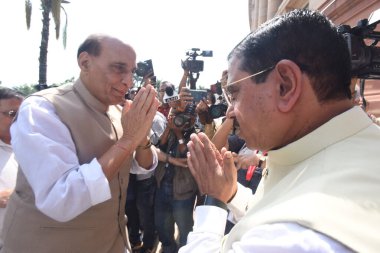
147 145
126 146
211 201
233 196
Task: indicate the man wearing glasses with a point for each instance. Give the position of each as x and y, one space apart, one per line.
10 101
289 92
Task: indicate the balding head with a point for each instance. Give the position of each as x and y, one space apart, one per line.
107 66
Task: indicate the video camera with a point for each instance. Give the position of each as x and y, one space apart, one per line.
365 60
191 63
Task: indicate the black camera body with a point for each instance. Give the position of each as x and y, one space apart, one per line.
365 60
181 119
184 118
217 110
145 68
191 63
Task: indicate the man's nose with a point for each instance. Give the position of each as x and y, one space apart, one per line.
127 79
230 111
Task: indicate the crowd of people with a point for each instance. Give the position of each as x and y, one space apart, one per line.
291 166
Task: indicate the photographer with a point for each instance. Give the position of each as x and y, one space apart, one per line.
164 107
176 188
211 110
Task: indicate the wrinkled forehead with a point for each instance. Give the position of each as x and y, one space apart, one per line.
117 50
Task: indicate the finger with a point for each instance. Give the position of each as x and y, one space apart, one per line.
229 167
127 106
144 99
204 101
196 149
138 96
152 110
193 170
210 150
200 164
150 98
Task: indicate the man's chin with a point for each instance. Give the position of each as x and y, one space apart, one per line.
117 100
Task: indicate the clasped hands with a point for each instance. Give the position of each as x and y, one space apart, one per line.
214 171
137 116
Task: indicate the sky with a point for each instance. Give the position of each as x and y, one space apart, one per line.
161 30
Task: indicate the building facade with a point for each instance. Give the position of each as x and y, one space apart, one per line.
347 12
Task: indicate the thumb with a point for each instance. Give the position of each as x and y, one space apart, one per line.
127 105
228 160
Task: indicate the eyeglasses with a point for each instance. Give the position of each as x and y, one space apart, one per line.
10 113
226 88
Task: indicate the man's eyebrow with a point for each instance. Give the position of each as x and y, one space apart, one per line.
232 87
121 64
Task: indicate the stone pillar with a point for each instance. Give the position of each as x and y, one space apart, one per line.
251 8
255 14
272 8
263 6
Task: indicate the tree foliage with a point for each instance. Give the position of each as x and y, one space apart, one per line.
48 7
28 89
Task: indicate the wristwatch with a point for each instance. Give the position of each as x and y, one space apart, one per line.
211 201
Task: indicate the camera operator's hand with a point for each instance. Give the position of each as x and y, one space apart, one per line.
184 65
202 110
149 79
137 116
181 162
185 98
246 159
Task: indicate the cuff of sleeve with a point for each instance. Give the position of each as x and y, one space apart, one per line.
96 182
137 169
210 219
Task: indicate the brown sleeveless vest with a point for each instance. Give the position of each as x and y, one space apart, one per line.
101 228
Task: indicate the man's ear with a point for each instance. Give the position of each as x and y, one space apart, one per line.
289 84
84 61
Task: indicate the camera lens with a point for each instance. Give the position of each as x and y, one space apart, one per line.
179 121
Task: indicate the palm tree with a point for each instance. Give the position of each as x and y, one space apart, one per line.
48 6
